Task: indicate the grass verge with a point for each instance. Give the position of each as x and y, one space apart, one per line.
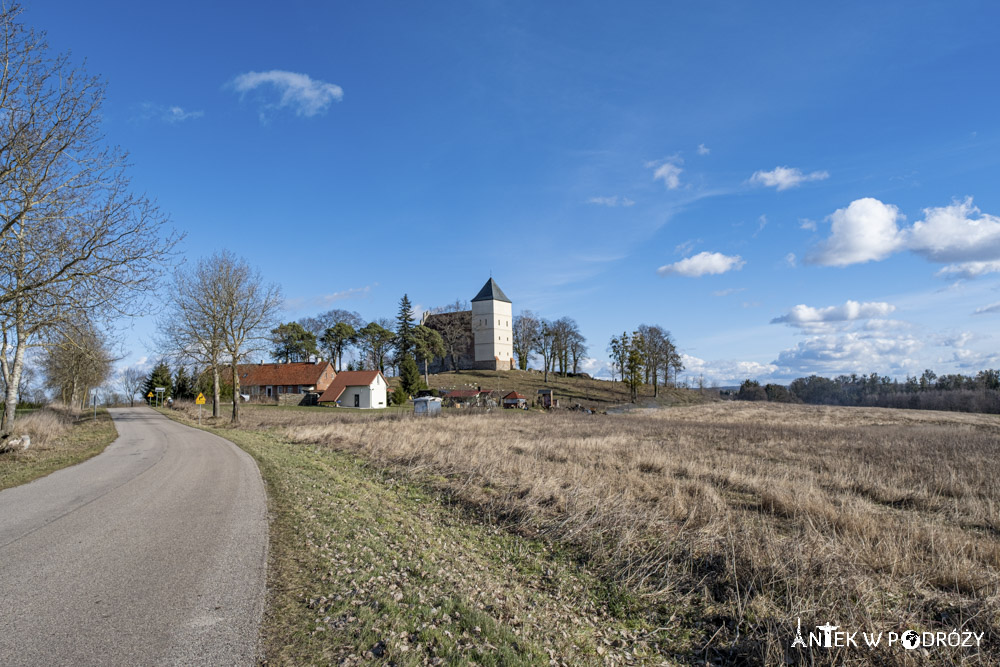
369 566
58 441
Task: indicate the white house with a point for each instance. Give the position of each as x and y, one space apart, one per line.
357 389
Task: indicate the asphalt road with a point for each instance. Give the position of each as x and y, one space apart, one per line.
152 553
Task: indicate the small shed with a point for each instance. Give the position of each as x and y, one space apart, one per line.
515 400
427 405
547 399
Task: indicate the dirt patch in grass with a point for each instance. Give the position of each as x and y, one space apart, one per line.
58 439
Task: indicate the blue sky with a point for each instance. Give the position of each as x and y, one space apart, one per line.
788 188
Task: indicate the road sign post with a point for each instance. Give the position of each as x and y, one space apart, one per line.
200 401
149 399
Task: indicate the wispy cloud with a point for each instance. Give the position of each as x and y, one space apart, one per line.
783 178
611 201
326 300
729 291
992 308
703 149
166 114
669 171
704 263
299 92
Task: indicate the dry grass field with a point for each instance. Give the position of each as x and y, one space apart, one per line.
722 524
59 438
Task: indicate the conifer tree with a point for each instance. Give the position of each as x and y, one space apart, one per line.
409 376
404 327
184 387
159 377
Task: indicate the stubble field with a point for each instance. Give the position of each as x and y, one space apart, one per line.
718 526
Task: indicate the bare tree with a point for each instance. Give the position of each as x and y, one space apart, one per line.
545 345
249 309
455 326
192 327
73 238
525 331
77 360
131 380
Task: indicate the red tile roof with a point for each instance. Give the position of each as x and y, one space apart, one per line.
514 394
462 393
347 379
298 373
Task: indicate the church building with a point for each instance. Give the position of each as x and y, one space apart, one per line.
481 338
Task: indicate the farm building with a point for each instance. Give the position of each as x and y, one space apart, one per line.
273 380
356 389
515 400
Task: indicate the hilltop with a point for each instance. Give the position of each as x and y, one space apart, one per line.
569 390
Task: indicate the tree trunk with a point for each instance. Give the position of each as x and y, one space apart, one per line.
215 390
10 400
236 394
426 377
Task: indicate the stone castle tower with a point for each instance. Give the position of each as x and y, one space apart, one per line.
491 328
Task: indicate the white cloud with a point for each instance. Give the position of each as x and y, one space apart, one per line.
969 269
992 308
803 315
669 172
704 263
957 233
783 178
611 201
867 230
726 372
171 114
727 292
703 149
806 223
307 96
864 231
851 352
791 259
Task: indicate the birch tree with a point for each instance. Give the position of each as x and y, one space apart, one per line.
73 237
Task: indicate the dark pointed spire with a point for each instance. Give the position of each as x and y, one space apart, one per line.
491 292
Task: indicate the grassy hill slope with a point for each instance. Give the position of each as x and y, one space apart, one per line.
569 391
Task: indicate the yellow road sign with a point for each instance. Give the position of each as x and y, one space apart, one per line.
200 400
149 395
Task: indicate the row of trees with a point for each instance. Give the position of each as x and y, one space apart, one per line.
380 344
219 313
77 247
648 356
558 342
927 391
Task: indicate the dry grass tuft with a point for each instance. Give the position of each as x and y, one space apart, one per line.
746 516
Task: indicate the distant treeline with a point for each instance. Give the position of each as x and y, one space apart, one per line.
929 391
